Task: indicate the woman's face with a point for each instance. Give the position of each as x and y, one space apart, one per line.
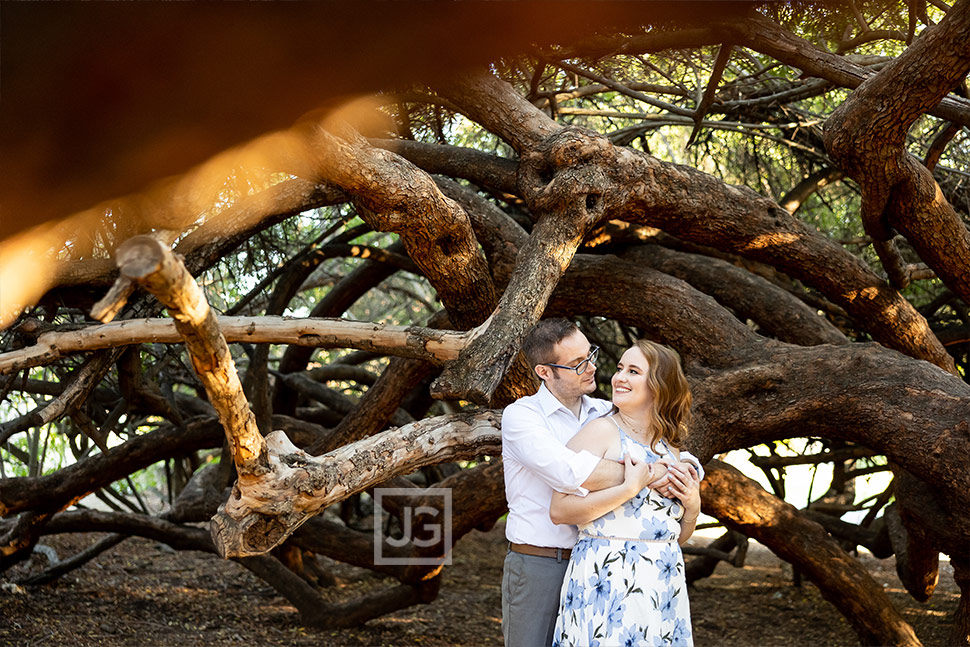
630 389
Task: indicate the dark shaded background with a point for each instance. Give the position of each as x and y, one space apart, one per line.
99 99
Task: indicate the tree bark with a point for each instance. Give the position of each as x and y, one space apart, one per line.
429 344
264 509
867 135
153 266
56 491
394 195
743 505
636 187
776 312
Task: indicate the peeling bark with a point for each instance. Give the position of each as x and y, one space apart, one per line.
407 341
264 509
153 266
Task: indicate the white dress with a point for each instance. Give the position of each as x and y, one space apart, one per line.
625 582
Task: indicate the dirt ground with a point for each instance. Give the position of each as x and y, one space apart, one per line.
144 594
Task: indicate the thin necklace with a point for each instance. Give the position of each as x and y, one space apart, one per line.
643 434
638 432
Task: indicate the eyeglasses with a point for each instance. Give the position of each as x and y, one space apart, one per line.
581 367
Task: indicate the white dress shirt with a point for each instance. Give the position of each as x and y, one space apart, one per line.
535 430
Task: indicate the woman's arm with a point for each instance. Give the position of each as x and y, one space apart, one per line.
601 438
569 508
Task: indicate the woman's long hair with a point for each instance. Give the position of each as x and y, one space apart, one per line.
670 414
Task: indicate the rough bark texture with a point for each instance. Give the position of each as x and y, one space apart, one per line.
867 135
778 525
406 341
153 266
776 312
501 257
624 184
263 510
394 195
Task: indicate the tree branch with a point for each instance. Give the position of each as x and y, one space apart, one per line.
867 135
429 344
263 510
778 525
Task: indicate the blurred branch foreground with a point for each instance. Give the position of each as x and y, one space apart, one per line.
778 192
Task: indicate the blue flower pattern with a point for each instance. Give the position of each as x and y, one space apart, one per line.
625 583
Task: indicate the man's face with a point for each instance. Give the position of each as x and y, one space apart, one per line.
566 384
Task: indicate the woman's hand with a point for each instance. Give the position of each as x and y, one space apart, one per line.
685 485
636 474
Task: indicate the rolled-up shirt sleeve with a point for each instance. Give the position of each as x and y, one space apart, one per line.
526 439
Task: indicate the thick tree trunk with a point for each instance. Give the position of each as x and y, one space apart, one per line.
744 506
636 187
960 631
867 135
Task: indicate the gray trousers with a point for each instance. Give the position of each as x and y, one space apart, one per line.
530 599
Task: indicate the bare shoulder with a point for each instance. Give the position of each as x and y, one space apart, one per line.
596 437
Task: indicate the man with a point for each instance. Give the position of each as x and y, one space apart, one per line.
535 430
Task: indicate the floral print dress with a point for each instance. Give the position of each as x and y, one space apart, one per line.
625 582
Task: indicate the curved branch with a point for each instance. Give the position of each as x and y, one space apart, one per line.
483 98
877 400
487 171
79 385
792 200
60 489
778 525
397 196
867 135
776 311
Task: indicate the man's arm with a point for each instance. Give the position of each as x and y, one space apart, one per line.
608 473
566 508
527 439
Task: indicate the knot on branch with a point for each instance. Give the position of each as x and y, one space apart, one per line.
571 172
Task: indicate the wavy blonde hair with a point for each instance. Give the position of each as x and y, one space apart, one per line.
670 414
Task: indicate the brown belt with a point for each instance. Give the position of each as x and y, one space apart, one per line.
540 551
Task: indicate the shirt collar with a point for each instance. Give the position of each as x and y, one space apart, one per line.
551 403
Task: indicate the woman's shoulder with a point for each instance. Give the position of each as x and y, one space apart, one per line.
599 432
602 425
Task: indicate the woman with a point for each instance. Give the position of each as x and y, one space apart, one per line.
625 582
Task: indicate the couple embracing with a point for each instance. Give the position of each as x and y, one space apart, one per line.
600 498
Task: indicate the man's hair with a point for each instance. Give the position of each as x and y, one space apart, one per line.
539 345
